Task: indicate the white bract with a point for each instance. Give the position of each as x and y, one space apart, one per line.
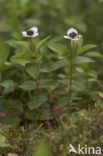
72 34
32 32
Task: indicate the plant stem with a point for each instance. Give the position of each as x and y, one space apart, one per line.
87 87
36 81
70 80
32 49
70 83
71 68
1 90
30 95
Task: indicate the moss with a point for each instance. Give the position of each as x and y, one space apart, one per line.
83 127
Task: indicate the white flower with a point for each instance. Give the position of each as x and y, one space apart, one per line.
32 32
72 34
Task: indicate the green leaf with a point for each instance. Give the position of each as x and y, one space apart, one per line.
28 85
78 86
58 65
42 43
31 115
4 53
37 102
12 120
82 59
83 113
74 117
100 94
94 54
100 1
8 85
80 70
3 141
85 48
92 80
46 115
80 42
55 40
64 81
23 44
32 69
42 149
21 58
45 69
92 74
58 48
11 43
47 83
54 66
16 104
63 101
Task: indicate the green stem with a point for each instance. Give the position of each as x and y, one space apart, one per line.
1 90
70 80
36 81
71 68
30 95
87 82
32 49
70 83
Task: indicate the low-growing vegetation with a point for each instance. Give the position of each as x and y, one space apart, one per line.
50 83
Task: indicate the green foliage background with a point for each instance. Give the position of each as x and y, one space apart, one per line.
52 17
34 86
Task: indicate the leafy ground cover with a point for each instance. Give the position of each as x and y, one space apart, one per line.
50 88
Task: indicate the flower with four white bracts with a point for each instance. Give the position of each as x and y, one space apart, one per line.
72 34
32 32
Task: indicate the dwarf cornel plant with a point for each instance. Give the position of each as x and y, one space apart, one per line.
38 75
50 81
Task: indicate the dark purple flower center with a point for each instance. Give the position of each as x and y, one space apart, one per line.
73 35
30 33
